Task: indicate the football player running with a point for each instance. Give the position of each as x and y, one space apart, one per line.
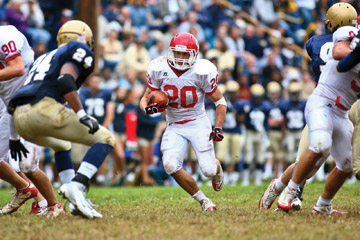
41 116
16 56
338 15
186 80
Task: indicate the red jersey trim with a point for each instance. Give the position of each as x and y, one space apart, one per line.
12 57
209 93
176 71
152 88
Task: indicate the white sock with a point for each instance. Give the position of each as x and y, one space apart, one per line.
323 202
67 175
293 185
279 185
87 169
199 196
43 203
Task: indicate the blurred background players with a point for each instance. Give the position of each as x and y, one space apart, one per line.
276 130
256 112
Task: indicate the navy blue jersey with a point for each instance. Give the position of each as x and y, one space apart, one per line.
119 118
275 112
43 75
95 103
146 124
256 116
294 114
231 125
318 48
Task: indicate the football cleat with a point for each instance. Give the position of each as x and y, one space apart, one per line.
20 197
269 196
326 210
207 205
37 210
218 179
285 199
74 192
296 204
55 210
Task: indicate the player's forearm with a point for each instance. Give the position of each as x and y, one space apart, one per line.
220 115
74 101
341 49
11 72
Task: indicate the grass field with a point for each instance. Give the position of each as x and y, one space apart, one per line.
169 213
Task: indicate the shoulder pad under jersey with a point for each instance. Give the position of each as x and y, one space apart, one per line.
204 66
345 33
158 63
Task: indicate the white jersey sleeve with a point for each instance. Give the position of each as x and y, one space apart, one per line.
153 72
13 44
208 74
345 33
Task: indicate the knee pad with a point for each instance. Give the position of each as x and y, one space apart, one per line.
320 142
31 163
172 162
106 137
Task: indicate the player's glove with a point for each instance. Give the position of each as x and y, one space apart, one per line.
91 123
152 107
16 148
216 134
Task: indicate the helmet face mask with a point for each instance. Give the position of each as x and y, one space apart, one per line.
75 30
339 15
183 43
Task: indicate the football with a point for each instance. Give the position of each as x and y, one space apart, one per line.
159 96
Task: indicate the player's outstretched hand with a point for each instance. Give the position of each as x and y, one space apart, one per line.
152 107
91 123
16 148
216 134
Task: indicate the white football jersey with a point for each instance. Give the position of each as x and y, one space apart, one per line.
186 90
340 87
13 43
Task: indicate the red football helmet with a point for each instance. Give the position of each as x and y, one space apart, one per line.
183 42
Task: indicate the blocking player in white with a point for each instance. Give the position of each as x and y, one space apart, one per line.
16 56
186 80
338 15
330 130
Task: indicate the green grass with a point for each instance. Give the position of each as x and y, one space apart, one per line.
169 213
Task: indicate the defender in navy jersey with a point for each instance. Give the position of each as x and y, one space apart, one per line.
319 49
41 116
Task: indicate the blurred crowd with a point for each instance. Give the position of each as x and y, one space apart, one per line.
257 46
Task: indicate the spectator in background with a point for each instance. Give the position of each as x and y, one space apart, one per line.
191 22
226 59
138 15
157 50
288 54
111 12
172 11
264 11
307 85
244 92
235 42
136 57
269 68
36 22
112 50
203 18
14 16
252 43
305 8
125 20
217 14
